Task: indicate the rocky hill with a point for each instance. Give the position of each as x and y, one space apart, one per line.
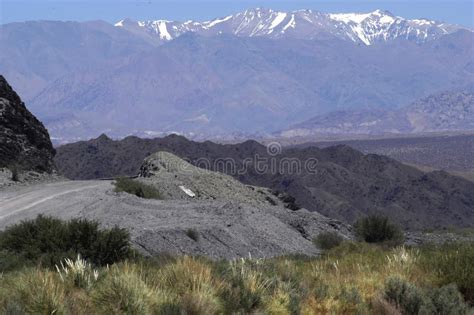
444 152
24 141
341 182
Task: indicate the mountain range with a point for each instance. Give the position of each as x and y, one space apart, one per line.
362 28
253 73
450 111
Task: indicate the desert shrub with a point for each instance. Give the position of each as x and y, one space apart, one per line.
411 299
447 300
287 199
10 261
15 170
377 229
192 234
405 296
48 241
452 263
328 240
136 188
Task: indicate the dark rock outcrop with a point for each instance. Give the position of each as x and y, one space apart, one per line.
24 141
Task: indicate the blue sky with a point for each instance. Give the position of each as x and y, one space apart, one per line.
454 11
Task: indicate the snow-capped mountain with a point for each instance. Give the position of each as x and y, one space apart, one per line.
364 28
121 79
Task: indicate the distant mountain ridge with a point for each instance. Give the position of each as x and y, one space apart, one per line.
235 77
449 111
364 28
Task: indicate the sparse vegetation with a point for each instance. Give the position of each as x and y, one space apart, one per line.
452 263
328 240
136 188
377 229
47 241
351 278
15 170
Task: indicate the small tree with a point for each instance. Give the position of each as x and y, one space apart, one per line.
378 229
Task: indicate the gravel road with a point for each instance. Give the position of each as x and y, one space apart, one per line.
23 201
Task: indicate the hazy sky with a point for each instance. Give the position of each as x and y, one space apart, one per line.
454 11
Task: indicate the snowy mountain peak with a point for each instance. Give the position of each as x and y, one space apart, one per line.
358 18
365 28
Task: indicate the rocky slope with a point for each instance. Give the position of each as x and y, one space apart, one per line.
342 183
177 179
237 222
447 111
24 141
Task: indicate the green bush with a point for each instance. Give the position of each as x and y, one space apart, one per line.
328 240
377 229
9 261
136 188
405 296
47 241
448 300
412 300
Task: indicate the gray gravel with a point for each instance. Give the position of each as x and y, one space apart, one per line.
226 229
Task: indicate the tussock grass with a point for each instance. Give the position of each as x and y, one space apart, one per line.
353 278
136 188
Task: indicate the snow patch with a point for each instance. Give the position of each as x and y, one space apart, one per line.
350 17
216 21
291 24
278 19
200 119
164 34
